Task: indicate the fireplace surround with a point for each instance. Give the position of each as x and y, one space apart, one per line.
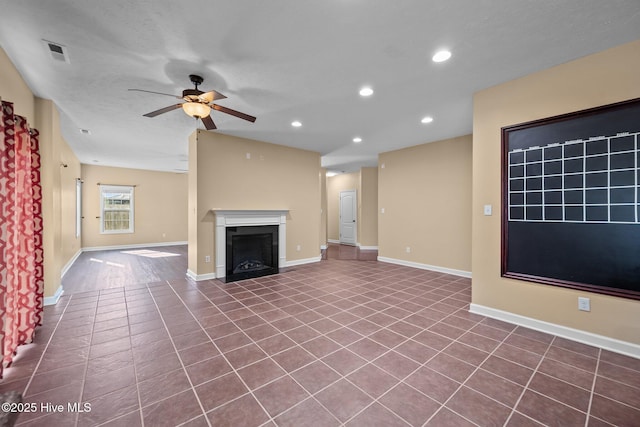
247 220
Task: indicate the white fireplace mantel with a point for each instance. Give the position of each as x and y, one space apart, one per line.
246 218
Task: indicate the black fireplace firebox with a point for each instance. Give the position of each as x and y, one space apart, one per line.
251 252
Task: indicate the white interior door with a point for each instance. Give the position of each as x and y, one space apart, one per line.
348 216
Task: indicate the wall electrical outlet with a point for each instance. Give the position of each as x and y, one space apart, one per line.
584 304
298 248
207 258
408 249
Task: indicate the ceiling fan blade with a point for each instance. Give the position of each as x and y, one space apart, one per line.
208 123
233 112
157 93
163 110
211 96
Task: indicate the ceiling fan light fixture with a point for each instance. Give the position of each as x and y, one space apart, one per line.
366 91
441 56
196 109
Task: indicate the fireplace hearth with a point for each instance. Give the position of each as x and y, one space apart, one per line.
251 251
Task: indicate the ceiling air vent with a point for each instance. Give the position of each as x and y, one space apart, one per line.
57 51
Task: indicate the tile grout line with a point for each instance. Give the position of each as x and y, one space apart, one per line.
369 362
387 296
593 388
268 356
477 367
526 386
446 315
139 410
41 358
46 347
469 330
492 353
86 368
321 334
299 344
289 374
462 384
135 369
382 296
184 369
221 354
402 380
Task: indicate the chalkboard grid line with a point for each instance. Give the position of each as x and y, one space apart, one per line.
592 180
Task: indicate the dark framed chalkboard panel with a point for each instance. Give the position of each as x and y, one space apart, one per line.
571 200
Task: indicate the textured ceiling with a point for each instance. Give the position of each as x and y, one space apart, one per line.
285 60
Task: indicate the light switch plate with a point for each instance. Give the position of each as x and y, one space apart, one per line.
488 209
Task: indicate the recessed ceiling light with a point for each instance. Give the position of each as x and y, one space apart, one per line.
331 173
85 131
296 124
441 56
357 139
366 91
427 119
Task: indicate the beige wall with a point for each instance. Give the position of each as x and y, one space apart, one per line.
70 245
607 77
323 207
274 177
192 212
160 206
14 89
426 194
58 183
58 188
368 208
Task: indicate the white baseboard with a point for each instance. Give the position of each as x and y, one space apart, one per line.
367 248
601 341
421 266
200 277
70 263
323 247
295 262
333 241
135 246
53 300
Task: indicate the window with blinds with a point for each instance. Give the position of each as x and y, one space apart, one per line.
116 206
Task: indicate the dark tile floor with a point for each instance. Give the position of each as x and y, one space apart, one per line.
356 343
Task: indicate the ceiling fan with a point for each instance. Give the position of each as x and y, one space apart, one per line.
198 104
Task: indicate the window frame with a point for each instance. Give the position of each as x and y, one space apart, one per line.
121 189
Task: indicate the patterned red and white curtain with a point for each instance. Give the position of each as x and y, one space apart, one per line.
21 255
